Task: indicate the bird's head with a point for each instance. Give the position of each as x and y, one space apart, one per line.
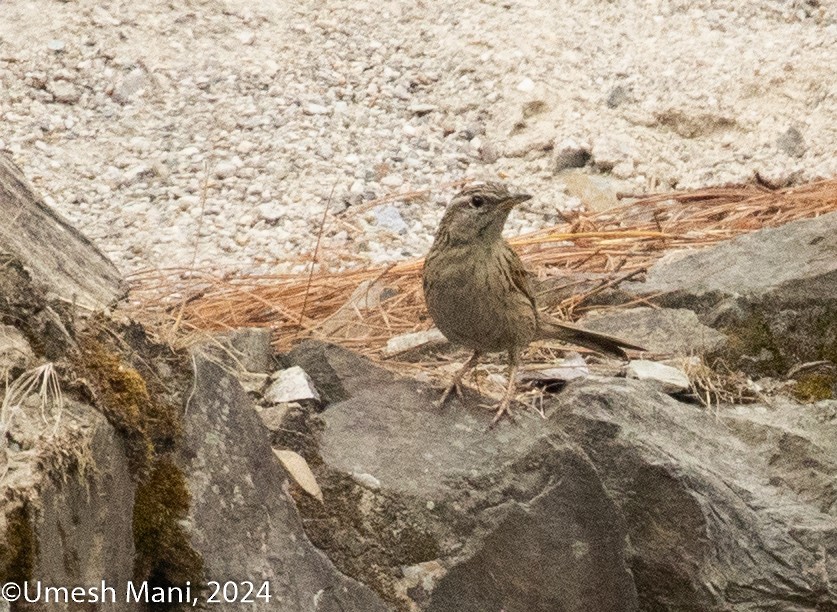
478 213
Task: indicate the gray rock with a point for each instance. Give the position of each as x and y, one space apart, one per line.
488 152
792 143
75 496
568 158
248 348
338 373
273 416
714 506
486 505
662 331
773 292
67 264
618 96
667 378
244 523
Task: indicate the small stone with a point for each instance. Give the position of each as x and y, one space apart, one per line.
618 95
407 342
136 173
392 180
387 216
271 211
272 416
245 147
571 158
130 86
64 92
488 152
246 37
792 143
422 109
315 109
526 85
366 480
291 385
670 379
571 367
56 45
225 169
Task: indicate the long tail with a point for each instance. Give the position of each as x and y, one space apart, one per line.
549 329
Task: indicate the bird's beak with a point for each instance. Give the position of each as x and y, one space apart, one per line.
515 199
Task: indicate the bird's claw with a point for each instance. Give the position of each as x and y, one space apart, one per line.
503 409
453 387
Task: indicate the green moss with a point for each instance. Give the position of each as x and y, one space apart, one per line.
145 422
752 347
148 420
815 387
367 535
164 555
18 547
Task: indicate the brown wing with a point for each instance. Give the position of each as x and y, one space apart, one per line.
518 276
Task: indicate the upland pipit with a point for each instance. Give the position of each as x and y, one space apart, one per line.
478 292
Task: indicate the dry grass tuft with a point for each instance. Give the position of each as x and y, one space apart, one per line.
618 242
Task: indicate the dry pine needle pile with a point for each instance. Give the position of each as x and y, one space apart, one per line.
616 242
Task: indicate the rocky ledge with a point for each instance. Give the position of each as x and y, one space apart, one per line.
126 460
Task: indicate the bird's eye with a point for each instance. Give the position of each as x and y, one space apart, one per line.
477 201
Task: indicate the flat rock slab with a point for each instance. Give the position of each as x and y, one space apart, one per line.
663 331
727 510
798 257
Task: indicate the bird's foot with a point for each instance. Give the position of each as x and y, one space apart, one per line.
453 387
503 409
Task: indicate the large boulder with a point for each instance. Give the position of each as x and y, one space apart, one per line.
727 511
242 520
54 253
623 498
773 292
67 500
514 519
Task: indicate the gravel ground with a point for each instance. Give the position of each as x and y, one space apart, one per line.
125 117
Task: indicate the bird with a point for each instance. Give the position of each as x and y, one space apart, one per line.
478 291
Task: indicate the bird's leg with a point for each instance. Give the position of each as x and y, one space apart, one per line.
457 378
503 408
